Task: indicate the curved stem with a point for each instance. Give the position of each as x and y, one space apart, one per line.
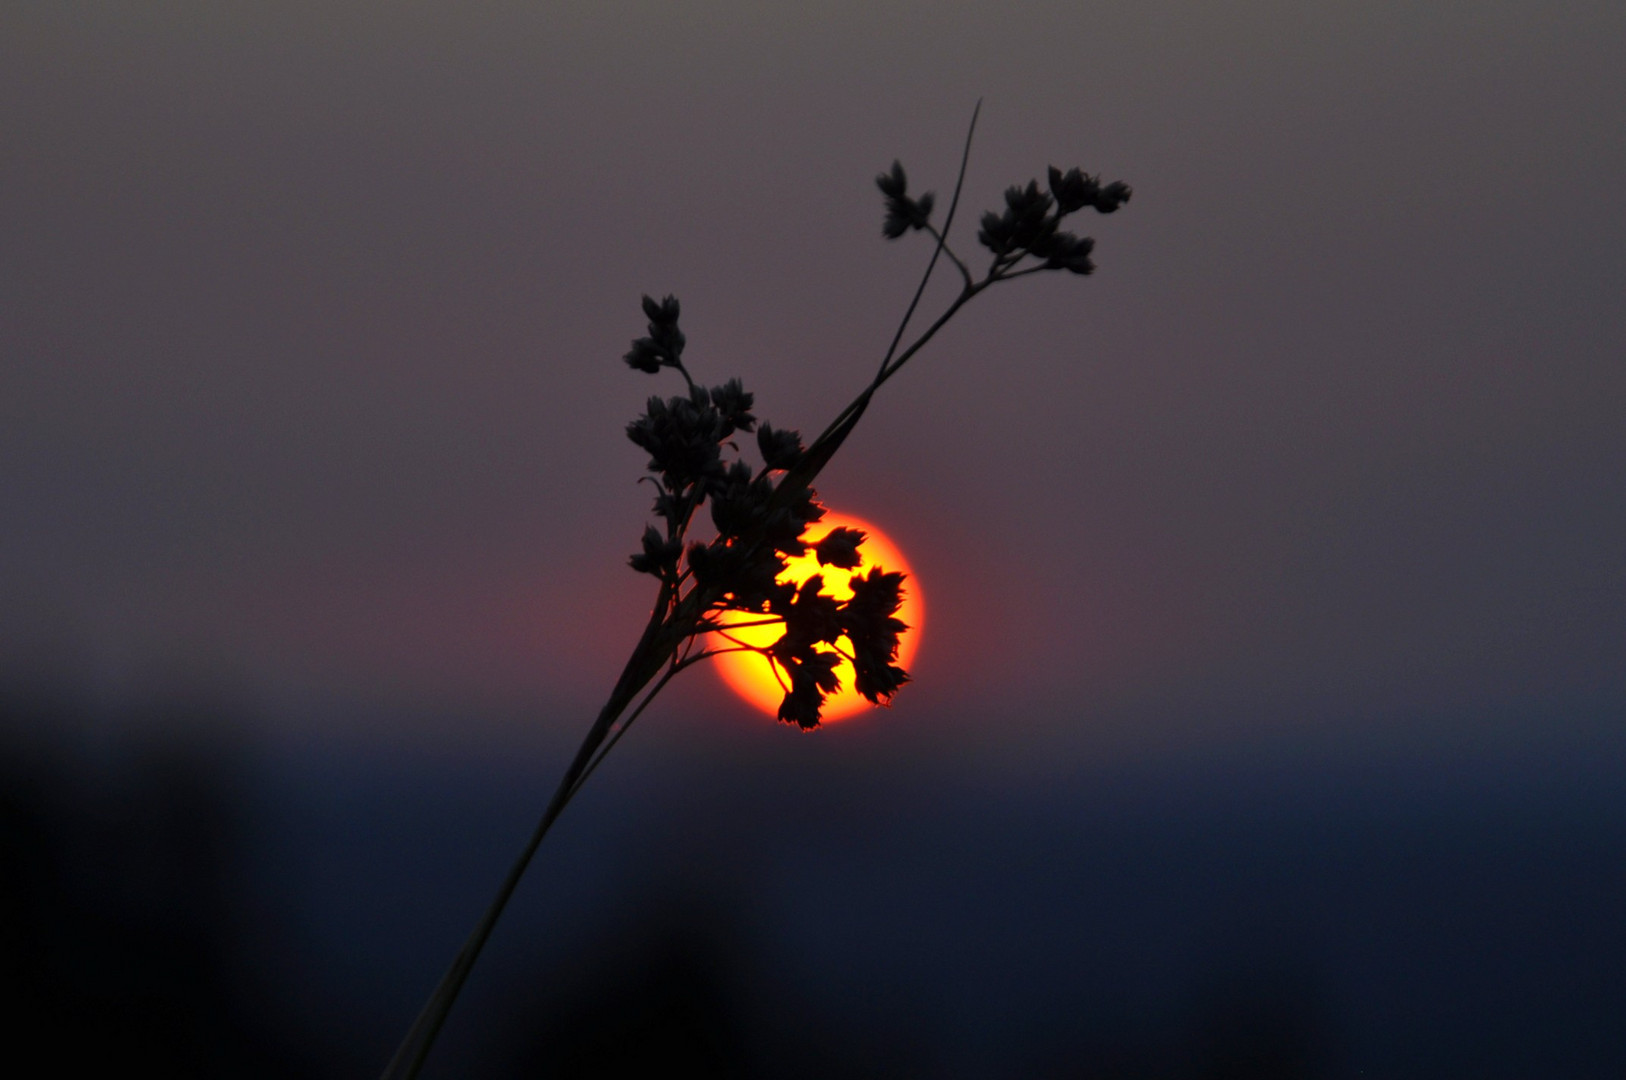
718 629
942 243
420 1038
685 373
931 331
668 636
802 474
965 272
1024 272
609 744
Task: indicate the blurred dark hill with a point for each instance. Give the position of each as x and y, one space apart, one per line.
122 916
175 901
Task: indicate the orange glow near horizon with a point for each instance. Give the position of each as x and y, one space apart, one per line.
753 676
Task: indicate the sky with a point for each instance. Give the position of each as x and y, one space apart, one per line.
311 399
313 318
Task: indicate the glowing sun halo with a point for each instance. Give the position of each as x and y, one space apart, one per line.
751 675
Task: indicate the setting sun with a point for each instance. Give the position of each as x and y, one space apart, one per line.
752 675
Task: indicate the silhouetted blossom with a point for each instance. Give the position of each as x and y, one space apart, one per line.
644 355
812 677
840 548
1077 189
670 506
1073 190
761 514
664 312
1025 223
659 556
1112 196
739 500
813 617
681 435
780 448
869 619
787 522
759 525
664 345
1064 251
902 212
734 402
1030 223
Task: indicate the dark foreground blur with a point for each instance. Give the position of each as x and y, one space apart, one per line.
184 905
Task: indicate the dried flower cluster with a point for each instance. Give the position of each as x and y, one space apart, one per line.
759 522
761 513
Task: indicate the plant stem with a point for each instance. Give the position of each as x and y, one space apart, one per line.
414 1049
675 620
942 245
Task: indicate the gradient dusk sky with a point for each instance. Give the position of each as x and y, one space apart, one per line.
311 317
1272 693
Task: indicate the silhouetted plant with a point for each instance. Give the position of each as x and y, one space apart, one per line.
761 513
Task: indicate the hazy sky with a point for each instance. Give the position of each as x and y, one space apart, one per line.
311 317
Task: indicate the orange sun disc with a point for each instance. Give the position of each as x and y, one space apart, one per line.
758 679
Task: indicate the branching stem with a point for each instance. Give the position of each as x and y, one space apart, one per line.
942 244
668 643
